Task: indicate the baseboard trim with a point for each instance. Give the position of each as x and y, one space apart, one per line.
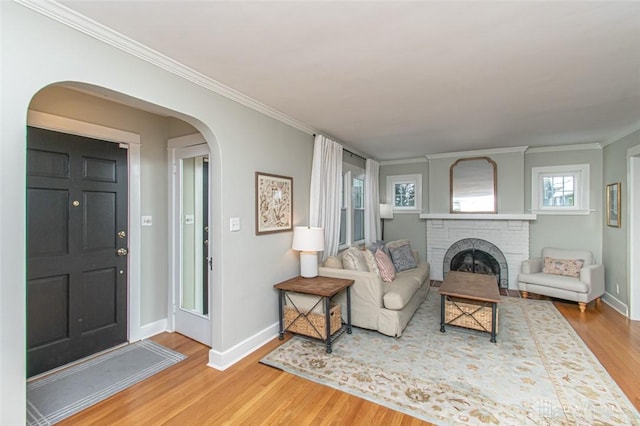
151 329
616 304
223 360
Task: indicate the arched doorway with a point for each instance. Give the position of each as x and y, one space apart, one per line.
75 109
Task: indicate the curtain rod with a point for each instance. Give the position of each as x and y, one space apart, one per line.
350 152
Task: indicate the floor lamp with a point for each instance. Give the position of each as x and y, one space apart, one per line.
386 212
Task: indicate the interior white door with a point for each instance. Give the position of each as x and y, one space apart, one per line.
191 257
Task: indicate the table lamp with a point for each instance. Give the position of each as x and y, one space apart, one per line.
386 212
309 241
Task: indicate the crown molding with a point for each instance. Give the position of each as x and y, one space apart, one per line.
405 161
73 19
559 148
479 152
634 128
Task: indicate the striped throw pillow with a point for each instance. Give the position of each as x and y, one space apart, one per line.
387 271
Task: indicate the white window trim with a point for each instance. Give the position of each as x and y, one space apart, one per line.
415 179
581 189
349 172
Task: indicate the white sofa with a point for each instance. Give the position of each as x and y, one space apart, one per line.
583 288
378 305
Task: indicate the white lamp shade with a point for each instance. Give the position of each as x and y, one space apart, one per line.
309 241
386 211
306 238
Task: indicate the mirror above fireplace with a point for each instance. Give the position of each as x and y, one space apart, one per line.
473 187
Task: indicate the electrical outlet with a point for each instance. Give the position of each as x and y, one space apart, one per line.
234 224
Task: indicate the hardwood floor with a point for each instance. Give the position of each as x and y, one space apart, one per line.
249 393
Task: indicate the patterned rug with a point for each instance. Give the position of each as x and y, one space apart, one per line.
538 372
59 395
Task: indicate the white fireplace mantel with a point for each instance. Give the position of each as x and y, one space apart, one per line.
479 216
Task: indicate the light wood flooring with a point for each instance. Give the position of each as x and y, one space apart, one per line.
249 393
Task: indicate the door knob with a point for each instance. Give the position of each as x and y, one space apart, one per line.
122 252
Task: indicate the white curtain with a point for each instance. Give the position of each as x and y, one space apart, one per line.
372 202
324 203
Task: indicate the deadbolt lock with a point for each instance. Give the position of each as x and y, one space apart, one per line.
122 234
122 252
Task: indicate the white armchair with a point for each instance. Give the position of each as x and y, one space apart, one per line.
564 274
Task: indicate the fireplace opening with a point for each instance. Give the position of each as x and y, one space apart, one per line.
476 262
479 257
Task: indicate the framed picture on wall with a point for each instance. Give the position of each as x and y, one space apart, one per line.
613 205
274 203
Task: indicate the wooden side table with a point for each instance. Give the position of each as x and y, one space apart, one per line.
323 287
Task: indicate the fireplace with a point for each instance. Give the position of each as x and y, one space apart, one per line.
507 234
479 257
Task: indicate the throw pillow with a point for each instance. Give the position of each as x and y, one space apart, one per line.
567 267
387 271
396 243
353 259
379 244
371 261
402 258
333 262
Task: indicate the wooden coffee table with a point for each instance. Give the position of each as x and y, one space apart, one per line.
467 299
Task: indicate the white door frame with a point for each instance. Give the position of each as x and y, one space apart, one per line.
197 327
633 179
131 141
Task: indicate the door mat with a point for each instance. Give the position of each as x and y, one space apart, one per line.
55 397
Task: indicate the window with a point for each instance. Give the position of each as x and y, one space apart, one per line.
560 189
352 207
404 192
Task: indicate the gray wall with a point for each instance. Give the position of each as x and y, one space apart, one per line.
615 241
514 196
242 141
406 225
510 173
567 231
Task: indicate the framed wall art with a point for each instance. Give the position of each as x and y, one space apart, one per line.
613 205
274 203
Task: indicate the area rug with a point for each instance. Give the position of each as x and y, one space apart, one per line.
538 372
66 392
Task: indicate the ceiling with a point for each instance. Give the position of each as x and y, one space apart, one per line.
399 80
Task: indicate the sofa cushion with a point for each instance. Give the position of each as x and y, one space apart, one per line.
334 262
555 281
387 270
372 264
400 291
353 259
402 257
568 267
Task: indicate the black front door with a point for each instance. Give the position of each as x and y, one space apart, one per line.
76 248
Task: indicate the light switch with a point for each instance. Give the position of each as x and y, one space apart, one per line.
147 220
234 224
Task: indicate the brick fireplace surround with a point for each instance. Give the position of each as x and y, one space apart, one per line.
509 232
